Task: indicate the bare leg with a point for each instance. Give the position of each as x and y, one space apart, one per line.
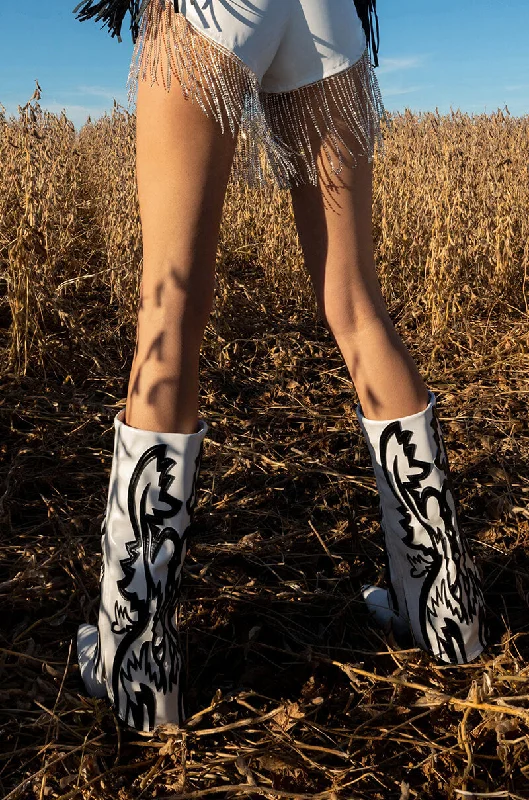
183 166
434 589
334 223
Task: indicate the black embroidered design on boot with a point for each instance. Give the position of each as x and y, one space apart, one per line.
436 554
149 653
133 653
192 499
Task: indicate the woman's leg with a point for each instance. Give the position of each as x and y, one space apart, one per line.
434 588
133 654
183 166
334 223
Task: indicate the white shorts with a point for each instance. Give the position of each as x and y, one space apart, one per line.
286 43
293 77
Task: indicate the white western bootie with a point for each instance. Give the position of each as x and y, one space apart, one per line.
434 585
133 655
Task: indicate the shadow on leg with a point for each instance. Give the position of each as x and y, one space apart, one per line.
334 223
183 166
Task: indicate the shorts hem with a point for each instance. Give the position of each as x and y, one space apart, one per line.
280 134
342 66
221 43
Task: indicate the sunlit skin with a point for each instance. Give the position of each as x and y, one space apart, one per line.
183 166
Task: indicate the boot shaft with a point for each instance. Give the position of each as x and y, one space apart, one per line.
150 502
434 583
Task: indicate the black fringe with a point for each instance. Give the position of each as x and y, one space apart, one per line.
112 12
366 9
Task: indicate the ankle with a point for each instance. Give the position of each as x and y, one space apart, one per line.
161 420
406 404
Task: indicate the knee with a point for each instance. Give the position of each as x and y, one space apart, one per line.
347 321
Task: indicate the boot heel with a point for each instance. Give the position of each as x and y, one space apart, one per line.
87 645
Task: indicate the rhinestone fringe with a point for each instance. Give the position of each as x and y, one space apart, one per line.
279 134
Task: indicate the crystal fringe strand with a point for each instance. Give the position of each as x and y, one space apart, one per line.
321 114
280 134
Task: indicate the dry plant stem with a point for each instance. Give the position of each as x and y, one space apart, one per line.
433 693
261 791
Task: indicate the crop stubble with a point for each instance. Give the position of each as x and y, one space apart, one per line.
291 692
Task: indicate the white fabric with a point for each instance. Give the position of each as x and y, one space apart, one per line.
286 43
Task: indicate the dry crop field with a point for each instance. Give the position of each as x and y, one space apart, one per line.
291 692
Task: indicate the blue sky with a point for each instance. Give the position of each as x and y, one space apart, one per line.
467 54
